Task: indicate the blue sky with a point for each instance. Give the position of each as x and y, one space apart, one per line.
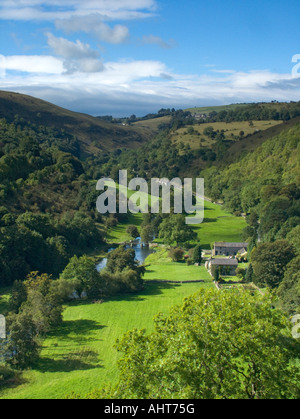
122 57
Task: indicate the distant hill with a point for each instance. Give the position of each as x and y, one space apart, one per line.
94 134
251 143
277 106
208 109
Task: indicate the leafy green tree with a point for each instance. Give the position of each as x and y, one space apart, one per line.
123 272
249 274
43 302
294 237
289 289
147 233
216 273
36 222
82 273
174 230
133 231
240 273
18 296
22 347
269 262
127 281
121 258
176 254
218 345
197 254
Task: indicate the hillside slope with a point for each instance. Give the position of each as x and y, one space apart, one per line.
249 144
94 134
269 172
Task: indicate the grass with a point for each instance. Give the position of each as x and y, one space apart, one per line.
219 225
163 269
118 234
80 356
152 125
208 109
231 129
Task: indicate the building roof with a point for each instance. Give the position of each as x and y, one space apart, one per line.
224 262
226 244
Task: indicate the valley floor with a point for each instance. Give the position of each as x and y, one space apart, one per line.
80 356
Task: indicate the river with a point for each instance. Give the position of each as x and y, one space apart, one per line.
141 253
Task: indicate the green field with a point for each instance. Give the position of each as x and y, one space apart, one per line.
80 356
208 109
163 269
231 131
118 233
218 225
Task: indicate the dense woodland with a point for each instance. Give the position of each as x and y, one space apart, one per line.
49 223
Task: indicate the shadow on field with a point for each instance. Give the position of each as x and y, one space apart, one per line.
77 331
85 359
151 288
71 335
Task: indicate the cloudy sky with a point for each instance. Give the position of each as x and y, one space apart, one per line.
123 57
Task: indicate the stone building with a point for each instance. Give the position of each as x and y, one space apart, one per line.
225 266
229 249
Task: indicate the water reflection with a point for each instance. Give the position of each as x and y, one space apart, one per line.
141 253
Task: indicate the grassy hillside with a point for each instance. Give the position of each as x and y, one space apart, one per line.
208 109
274 106
265 177
197 138
80 356
250 144
94 133
152 125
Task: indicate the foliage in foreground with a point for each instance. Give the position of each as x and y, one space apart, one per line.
218 345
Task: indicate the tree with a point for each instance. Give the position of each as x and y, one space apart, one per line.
43 302
196 353
197 254
127 281
123 272
249 274
269 262
216 273
133 231
147 234
289 289
82 273
18 296
22 347
241 273
174 230
176 254
121 258
294 238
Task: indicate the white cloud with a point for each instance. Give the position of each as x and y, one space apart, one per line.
49 10
139 87
77 55
68 49
31 64
94 25
156 40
